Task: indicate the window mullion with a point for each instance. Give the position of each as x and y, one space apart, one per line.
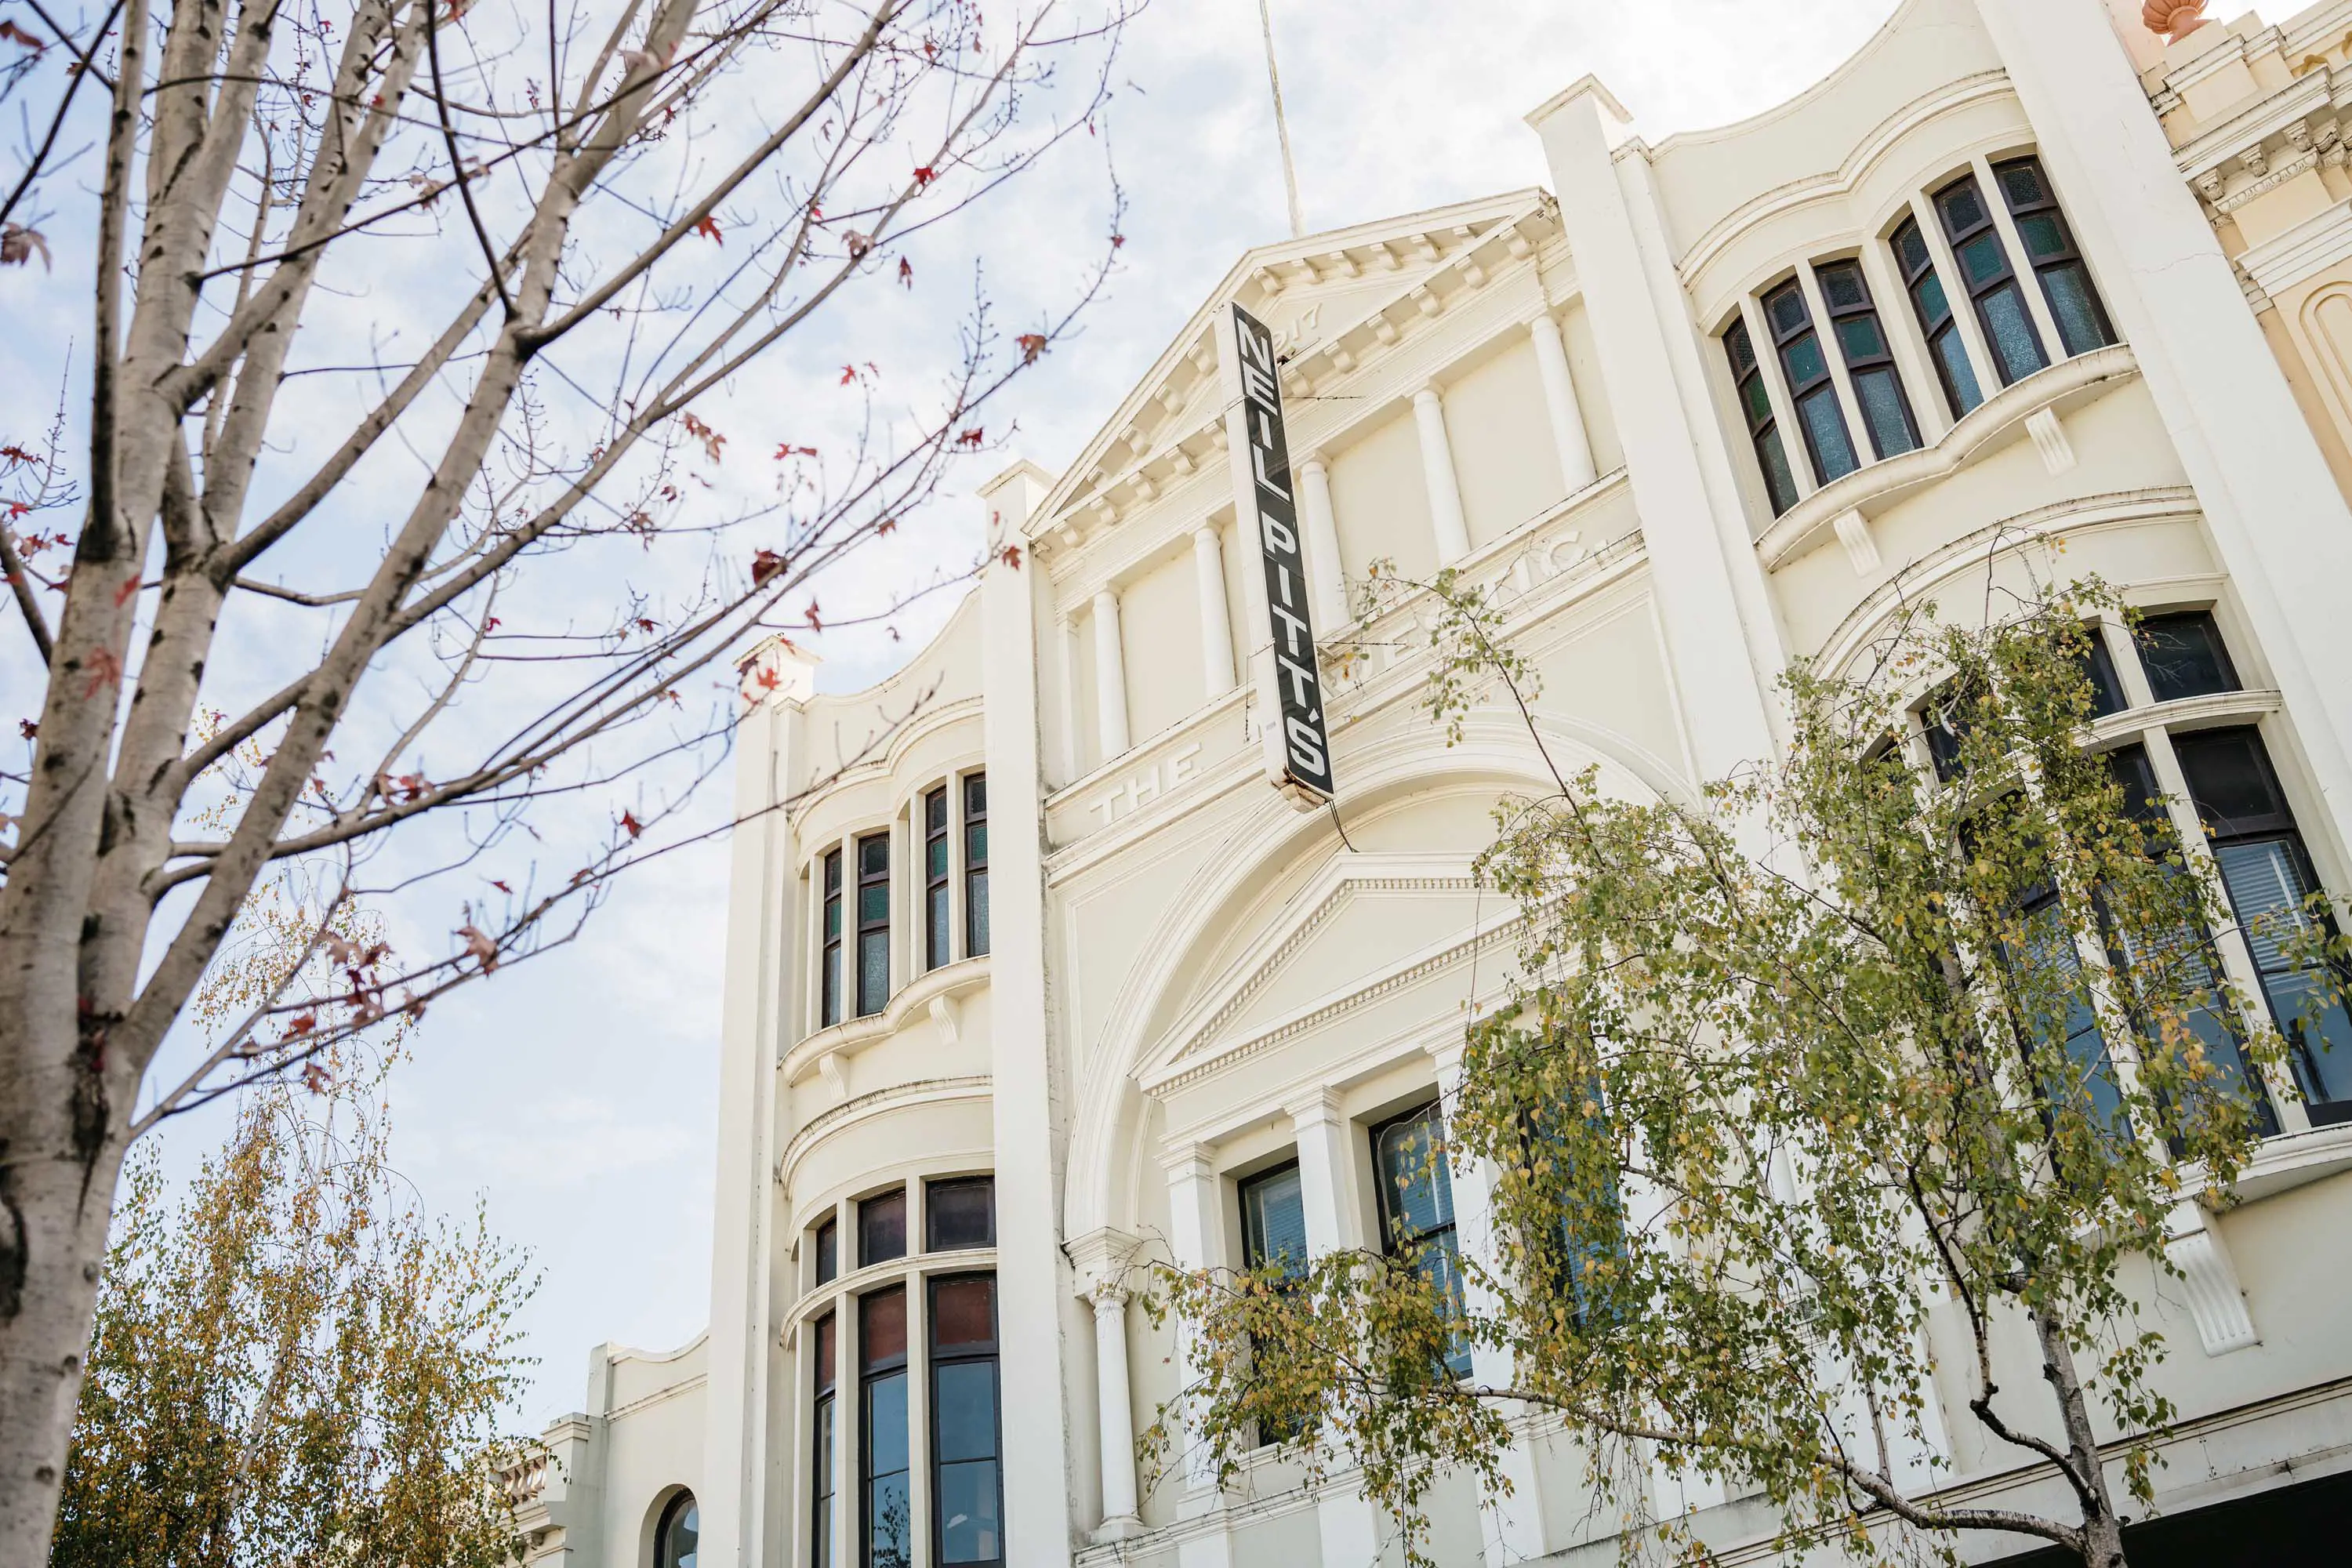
958 943
2021 260
918 1411
1898 318
1865 449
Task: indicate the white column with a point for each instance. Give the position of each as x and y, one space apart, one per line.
1195 1238
1115 1414
1110 676
1327 581
1437 471
1511 1524
1070 767
1217 618
1567 436
1039 1313
1345 1518
1721 636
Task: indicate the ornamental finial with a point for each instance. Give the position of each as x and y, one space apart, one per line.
2174 19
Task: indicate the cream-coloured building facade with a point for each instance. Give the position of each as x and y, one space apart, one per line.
1034 974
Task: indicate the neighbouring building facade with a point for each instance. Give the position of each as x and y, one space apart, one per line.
1035 973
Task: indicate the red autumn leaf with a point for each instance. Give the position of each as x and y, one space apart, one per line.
105 670
316 1078
708 229
300 1024
1117 241
27 728
814 625
16 34
764 565
630 825
501 887
770 680
16 454
789 450
1032 345
886 527
711 439
490 626
859 244
971 437
848 375
1011 556
905 272
925 175
644 625
479 948
122 594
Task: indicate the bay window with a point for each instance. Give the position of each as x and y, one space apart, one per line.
975 864
1819 416
872 923
822 1429
886 1501
937 944
2049 244
828 967
1991 283
1869 363
1763 426
1933 307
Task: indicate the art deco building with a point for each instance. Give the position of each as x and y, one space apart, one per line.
1039 973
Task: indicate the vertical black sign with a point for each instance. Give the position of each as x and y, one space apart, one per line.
1302 744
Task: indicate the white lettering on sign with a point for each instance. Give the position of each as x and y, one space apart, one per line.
1139 791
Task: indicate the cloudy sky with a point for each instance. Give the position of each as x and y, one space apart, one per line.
578 1095
575 1095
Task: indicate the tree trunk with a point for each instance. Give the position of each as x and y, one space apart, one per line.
61 1144
2102 1527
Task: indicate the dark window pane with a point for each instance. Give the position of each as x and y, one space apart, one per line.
833 872
976 904
969 1530
2184 657
1779 480
882 1329
2014 343
2099 670
1806 364
964 1418
1933 305
2021 183
885 1430
890 1520
874 857
2078 1071
822 1349
958 1215
828 1252
963 1313
677 1542
1842 285
1981 259
2043 234
2271 888
1824 422
1959 375
2143 796
2230 781
935 811
1274 1221
882 1235
874 903
2082 324
1758 398
1963 208
1883 410
975 796
1413 1180
1786 306
1911 248
1859 338
872 973
820 1465
1742 348
935 924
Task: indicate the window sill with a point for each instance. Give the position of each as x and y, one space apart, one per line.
937 993
2183 714
1992 424
909 1268
2282 1164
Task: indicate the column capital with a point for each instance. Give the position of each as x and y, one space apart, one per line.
1106 594
1316 1107
1427 393
1207 528
1189 1158
1314 458
1102 1259
1543 323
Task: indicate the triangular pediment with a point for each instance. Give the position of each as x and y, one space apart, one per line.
1331 299
1364 925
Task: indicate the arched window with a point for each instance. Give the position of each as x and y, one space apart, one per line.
674 1542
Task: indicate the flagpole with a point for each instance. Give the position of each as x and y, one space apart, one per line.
1281 124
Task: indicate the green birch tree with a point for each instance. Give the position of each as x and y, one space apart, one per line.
1875 1032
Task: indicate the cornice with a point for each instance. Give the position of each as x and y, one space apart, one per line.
1843 181
2212 148
2304 251
921 1091
950 983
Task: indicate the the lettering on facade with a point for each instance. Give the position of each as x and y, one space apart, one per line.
1161 778
1299 755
